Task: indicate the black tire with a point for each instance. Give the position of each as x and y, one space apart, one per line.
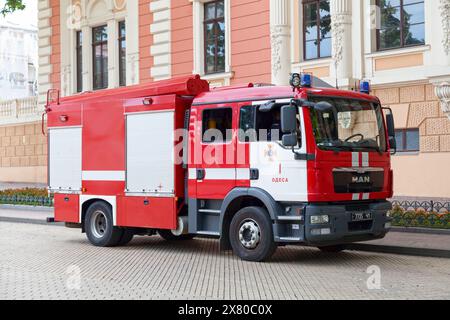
332 249
99 226
169 236
260 226
127 236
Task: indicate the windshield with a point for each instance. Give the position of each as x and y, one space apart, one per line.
348 125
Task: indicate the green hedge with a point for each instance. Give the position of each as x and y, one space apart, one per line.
420 218
27 196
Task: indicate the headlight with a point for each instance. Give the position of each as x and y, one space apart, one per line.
324 219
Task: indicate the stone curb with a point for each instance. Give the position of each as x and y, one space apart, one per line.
421 230
25 208
408 251
31 221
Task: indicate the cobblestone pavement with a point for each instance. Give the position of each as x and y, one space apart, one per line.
50 262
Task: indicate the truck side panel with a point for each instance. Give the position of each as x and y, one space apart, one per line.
147 212
68 206
65 159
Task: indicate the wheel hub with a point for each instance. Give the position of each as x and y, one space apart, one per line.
249 234
99 224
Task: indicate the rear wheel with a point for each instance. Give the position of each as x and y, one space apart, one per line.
99 226
251 234
127 236
332 249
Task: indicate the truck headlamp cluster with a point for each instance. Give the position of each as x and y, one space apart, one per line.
323 219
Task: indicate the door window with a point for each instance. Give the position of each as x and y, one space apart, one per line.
217 125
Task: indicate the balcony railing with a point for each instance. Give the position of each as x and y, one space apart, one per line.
19 110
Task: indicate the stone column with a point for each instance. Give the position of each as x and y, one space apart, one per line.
444 8
87 57
280 39
341 29
442 86
113 57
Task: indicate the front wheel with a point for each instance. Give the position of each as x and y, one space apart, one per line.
251 234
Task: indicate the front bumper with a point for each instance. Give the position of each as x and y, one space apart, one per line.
340 229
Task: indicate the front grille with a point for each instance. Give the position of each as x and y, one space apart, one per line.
354 182
360 226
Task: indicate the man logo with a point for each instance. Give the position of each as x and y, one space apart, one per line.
363 179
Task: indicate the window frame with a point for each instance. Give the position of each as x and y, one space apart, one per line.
404 148
402 31
101 44
122 64
216 20
79 60
225 138
318 36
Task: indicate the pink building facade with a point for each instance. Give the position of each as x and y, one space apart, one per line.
87 45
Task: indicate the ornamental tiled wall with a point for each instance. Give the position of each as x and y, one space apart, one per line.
23 153
417 106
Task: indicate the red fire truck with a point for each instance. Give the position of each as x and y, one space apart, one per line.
257 166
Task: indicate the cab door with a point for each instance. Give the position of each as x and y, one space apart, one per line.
215 173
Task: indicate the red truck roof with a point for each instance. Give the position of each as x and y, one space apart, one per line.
184 86
194 86
252 93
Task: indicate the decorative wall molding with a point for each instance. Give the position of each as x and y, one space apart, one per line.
341 32
444 8
337 33
161 48
280 38
45 50
443 93
276 33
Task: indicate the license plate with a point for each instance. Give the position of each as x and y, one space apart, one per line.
362 216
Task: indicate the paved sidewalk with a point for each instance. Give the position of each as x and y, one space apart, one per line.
46 263
416 244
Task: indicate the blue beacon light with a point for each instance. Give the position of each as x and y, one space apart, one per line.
306 80
365 87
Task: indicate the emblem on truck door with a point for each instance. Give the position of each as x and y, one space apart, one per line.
270 153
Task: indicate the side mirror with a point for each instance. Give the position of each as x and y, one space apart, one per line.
288 119
390 124
290 140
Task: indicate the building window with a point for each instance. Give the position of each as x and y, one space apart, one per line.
214 39
408 140
122 54
100 52
316 29
402 24
217 124
79 49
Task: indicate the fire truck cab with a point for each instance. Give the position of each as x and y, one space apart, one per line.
255 166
